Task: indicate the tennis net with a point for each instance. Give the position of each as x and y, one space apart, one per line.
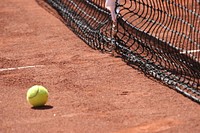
159 37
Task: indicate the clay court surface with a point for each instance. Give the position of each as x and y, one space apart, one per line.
89 91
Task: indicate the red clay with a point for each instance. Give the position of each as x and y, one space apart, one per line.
90 92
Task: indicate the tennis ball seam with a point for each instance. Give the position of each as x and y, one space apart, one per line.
35 93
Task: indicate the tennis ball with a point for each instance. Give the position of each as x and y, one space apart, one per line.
37 95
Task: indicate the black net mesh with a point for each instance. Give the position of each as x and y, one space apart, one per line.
159 37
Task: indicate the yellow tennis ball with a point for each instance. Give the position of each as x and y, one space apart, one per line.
37 95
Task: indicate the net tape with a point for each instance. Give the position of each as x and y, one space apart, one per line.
159 37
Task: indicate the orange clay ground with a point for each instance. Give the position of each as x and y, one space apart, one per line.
89 92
